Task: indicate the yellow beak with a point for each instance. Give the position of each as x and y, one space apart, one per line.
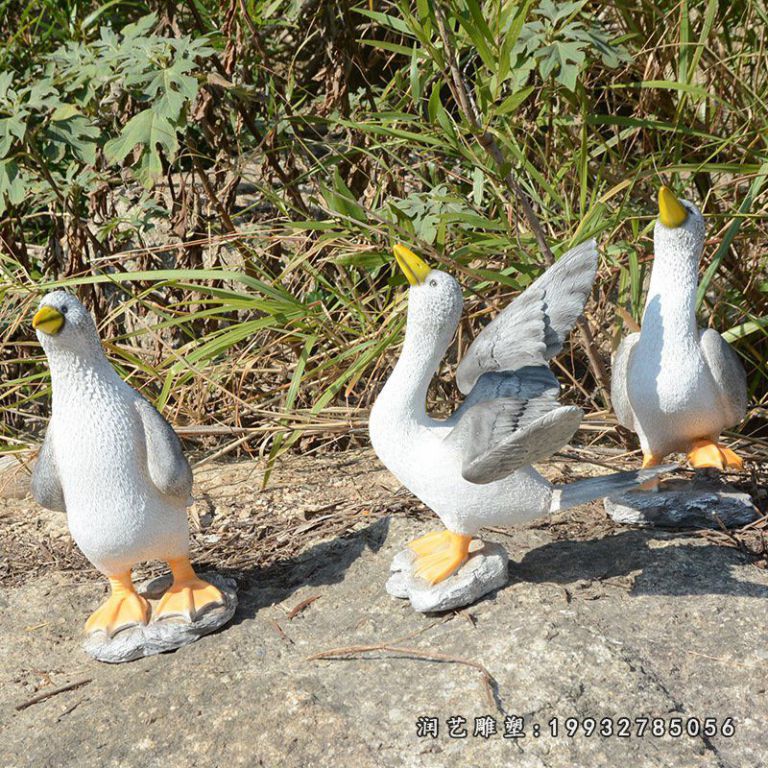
671 211
413 267
48 320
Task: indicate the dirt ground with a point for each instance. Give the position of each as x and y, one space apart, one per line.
597 621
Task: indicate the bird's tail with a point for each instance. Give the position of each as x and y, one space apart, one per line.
584 491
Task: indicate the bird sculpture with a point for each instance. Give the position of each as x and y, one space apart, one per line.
115 466
677 386
474 468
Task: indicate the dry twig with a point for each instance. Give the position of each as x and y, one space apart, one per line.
351 651
296 610
55 692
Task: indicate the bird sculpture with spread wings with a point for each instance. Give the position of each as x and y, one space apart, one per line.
474 468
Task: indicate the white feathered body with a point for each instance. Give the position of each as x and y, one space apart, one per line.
116 514
474 469
670 387
413 447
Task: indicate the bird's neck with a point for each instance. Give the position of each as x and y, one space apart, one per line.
670 308
77 377
405 392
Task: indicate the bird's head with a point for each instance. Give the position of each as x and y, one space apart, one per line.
680 227
434 298
62 323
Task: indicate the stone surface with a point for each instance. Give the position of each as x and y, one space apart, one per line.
702 503
165 635
484 572
596 620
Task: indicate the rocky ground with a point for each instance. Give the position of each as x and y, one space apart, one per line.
598 621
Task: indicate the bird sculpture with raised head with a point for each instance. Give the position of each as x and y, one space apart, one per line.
474 468
115 466
677 386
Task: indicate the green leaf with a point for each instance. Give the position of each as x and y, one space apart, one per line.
341 200
512 102
10 127
74 131
149 130
174 87
13 188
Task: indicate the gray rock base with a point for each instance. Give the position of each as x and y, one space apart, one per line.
165 634
484 572
701 503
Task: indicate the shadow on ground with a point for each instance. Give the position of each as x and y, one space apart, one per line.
661 566
321 565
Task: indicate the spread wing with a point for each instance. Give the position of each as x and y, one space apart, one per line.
527 383
728 372
496 437
46 486
168 468
533 328
619 395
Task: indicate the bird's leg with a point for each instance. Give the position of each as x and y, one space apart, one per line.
439 554
188 595
651 460
708 453
123 608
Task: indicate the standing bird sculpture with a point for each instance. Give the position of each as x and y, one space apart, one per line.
474 468
115 466
678 386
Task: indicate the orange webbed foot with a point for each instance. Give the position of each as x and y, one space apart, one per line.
439 554
124 608
708 454
189 595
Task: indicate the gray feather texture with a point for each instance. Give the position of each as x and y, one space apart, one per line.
619 394
499 436
533 328
46 486
524 384
168 467
728 372
591 488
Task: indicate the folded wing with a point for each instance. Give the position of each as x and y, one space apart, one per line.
619 391
497 437
168 468
728 372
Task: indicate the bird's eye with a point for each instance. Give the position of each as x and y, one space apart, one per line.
64 309
433 283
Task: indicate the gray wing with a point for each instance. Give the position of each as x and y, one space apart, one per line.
533 328
728 372
619 374
496 437
46 486
527 383
168 467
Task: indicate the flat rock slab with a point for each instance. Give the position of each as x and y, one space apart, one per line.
596 621
167 634
702 503
485 571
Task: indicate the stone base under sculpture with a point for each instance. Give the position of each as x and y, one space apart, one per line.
163 635
702 503
485 571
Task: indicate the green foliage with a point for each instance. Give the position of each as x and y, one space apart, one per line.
222 183
59 118
562 41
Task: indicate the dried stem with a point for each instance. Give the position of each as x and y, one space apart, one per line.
355 650
463 96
